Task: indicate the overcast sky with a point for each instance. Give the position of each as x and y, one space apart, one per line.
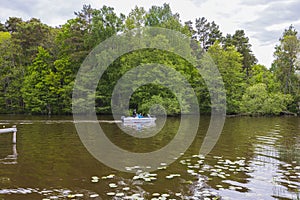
263 20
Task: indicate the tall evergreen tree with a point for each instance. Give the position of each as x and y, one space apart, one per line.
207 33
286 65
242 45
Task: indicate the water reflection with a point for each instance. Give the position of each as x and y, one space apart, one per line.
11 158
251 165
139 127
255 158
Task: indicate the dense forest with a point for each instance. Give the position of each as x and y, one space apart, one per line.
39 63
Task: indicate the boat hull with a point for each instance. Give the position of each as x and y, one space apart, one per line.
138 120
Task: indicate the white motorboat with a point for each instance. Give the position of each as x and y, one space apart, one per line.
147 119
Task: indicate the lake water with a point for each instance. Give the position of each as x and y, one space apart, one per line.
254 158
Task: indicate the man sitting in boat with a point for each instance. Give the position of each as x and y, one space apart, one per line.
140 115
134 113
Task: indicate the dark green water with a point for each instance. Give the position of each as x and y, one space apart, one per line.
254 158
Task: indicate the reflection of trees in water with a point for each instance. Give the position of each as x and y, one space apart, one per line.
12 158
290 151
270 148
289 148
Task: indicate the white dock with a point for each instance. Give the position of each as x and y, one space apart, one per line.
11 130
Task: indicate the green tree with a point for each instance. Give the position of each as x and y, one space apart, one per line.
257 100
62 79
285 58
11 75
241 42
207 33
11 25
4 36
29 36
135 19
38 83
162 16
229 63
286 66
104 24
260 74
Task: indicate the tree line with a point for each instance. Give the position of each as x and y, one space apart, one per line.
39 63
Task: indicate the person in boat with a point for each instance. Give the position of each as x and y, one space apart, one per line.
140 115
134 113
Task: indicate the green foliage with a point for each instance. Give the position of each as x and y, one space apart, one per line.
29 36
229 63
260 74
47 85
207 33
11 25
4 36
135 19
39 63
257 100
242 45
37 84
11 75
286 66
104 23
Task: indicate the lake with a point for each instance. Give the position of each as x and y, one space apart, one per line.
254 158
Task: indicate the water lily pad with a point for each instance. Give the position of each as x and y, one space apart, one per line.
120 194
156 194
128 168
164 167
182 162
214 174
71 196
178 194
94 195
111 194
169 177
136 195
110 176
221 176
113 185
